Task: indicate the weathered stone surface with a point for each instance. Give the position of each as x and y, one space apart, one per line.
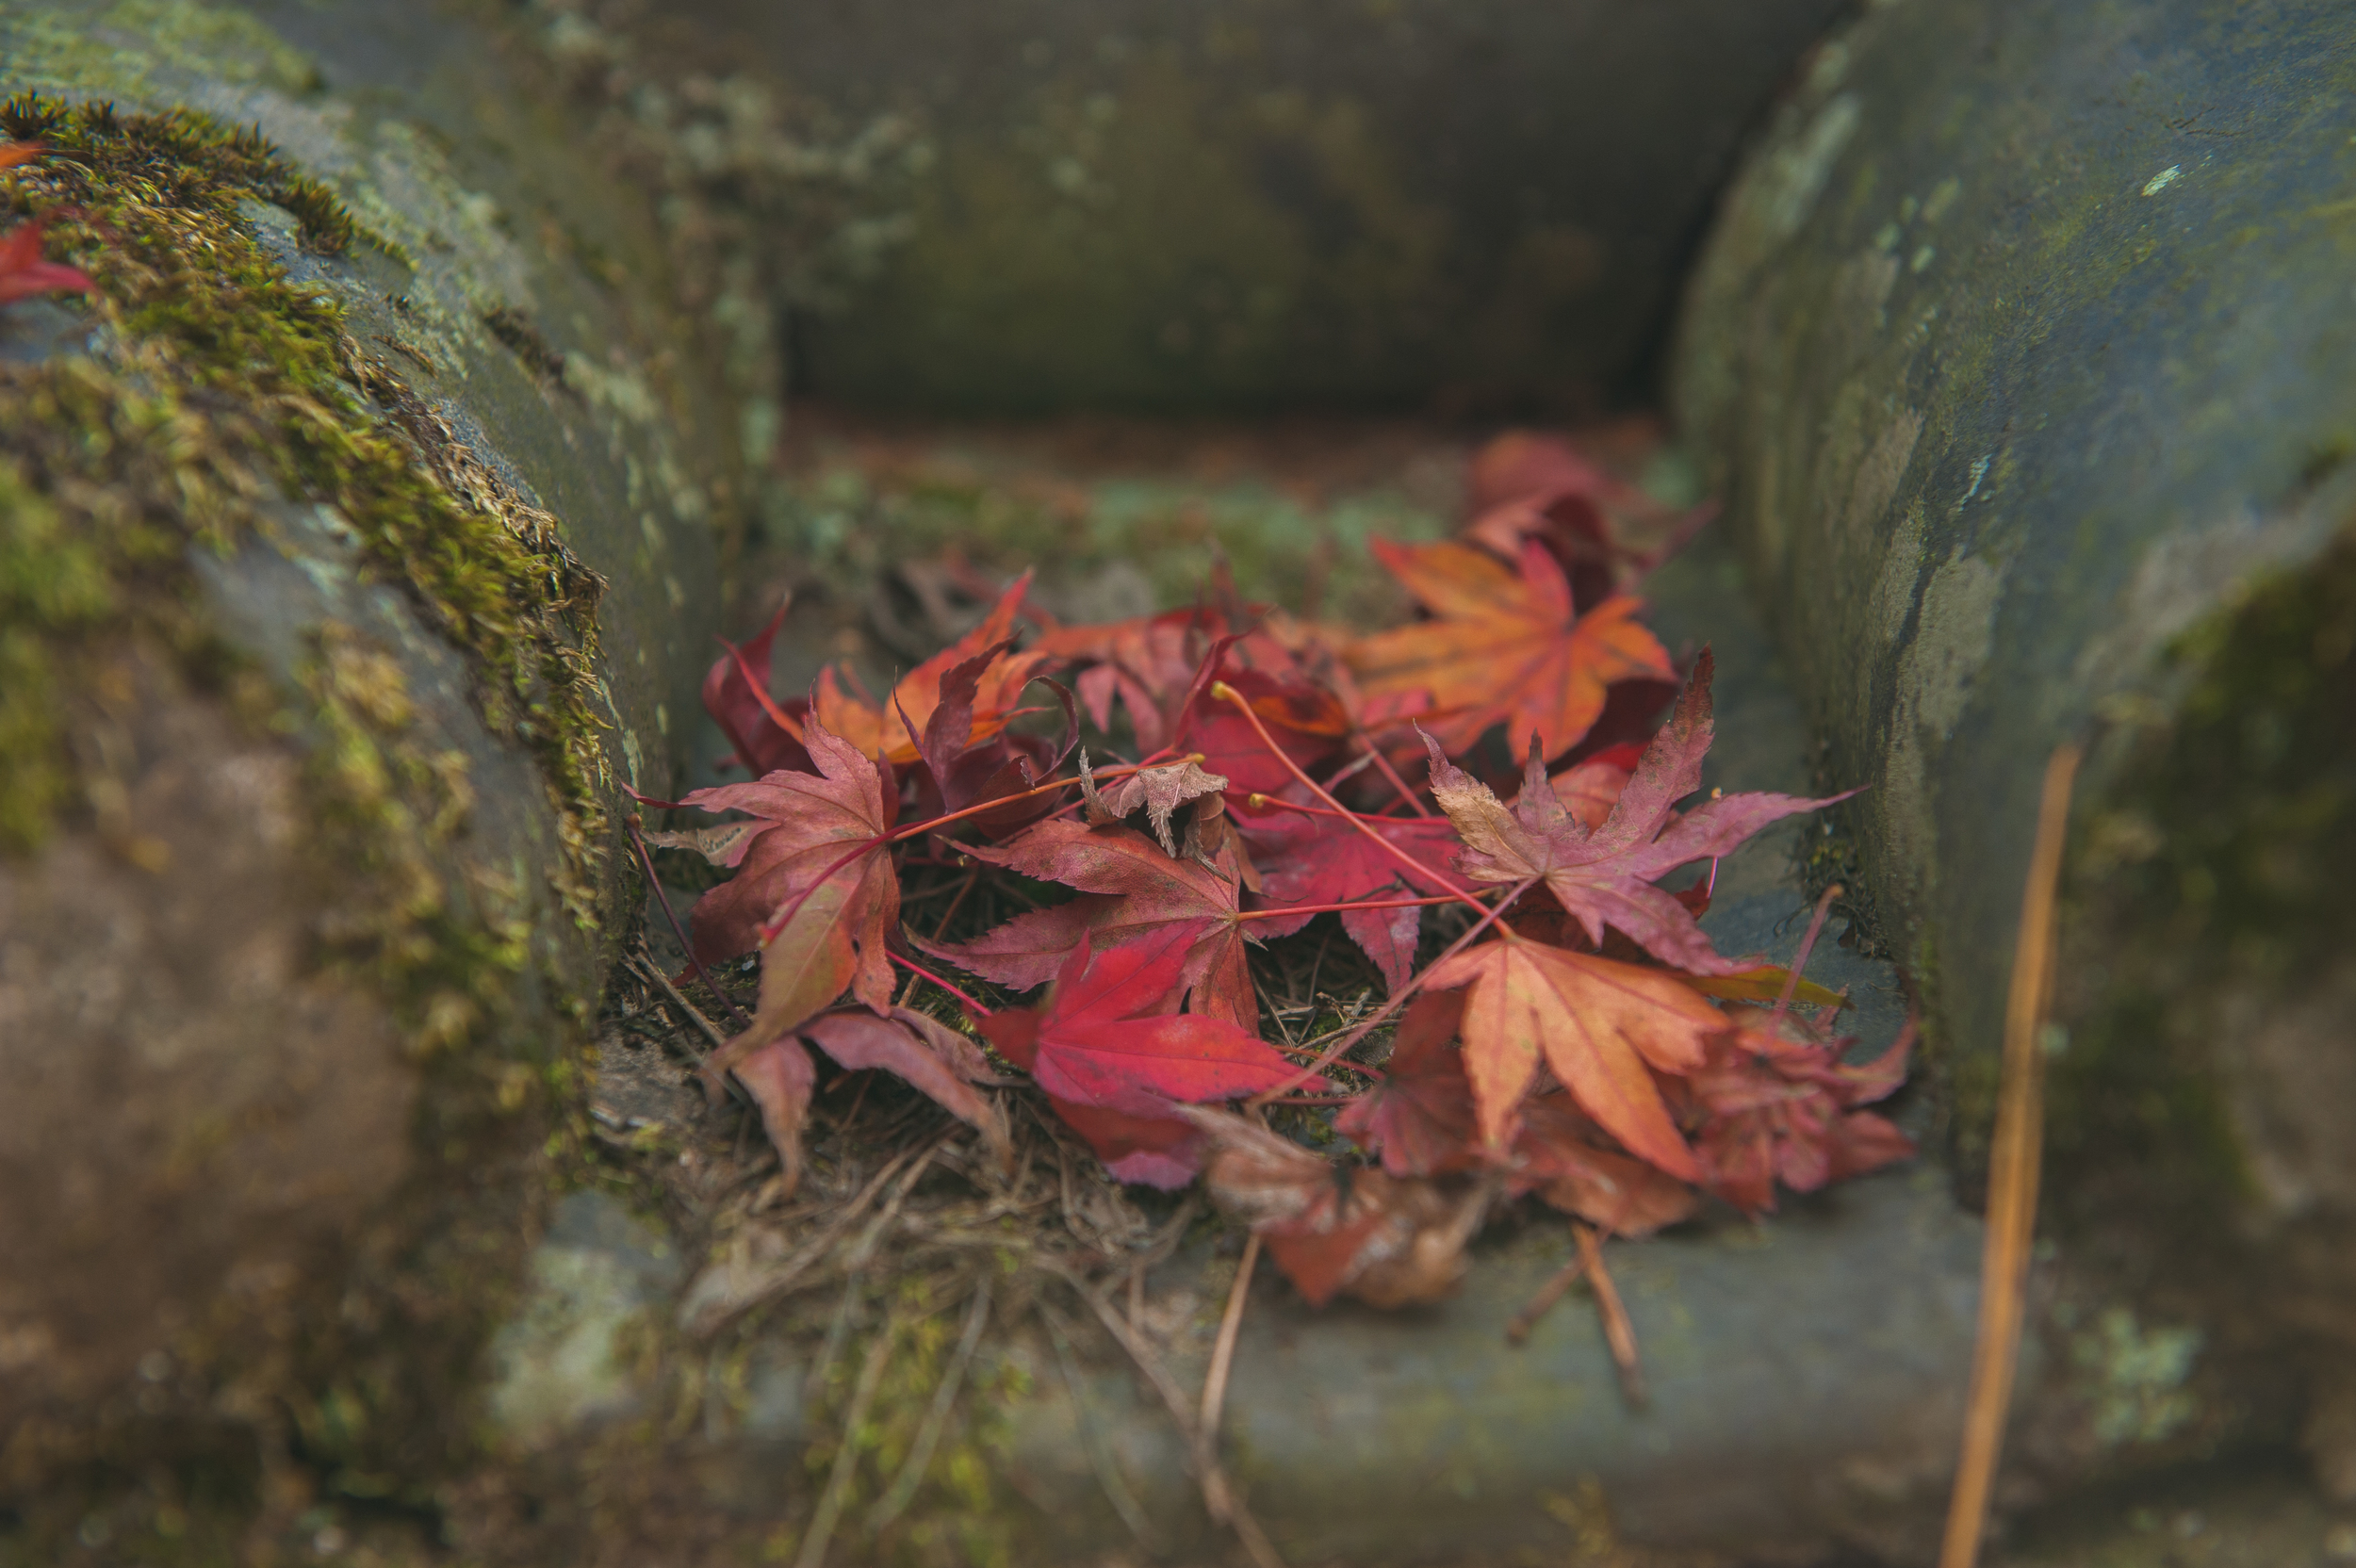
1806 1374
1083 204
291 960
2021 354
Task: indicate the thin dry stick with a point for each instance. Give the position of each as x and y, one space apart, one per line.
1223 1350
814 1540
903 1490
686 944
2013 1160
1562 1279
1100 1457
1218 1497
1397 999
1618 1331
1222 692
654 971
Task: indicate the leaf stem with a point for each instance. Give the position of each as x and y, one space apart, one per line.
1283 910
1326 1058
922 974
1384 763
1222 692
931 824
761 694
736 1014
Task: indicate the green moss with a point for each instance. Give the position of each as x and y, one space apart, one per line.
2225 853
218 390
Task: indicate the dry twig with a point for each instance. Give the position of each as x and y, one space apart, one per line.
1224 1352
1618 1331
903 1489
1219 1496
1562 1279
814 1540
2013 1161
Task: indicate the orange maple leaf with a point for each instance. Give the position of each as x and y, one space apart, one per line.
883 729
1601 1024
1507 647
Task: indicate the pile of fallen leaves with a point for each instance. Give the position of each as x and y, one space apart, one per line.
1162 795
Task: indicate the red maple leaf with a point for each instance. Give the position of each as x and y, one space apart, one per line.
1341 1229
1308 722
1779 1103
1603 1026
922 1051
1137 893
964 772
1605 877
1507 647
1420 1116
815 889
23 273
1113 1060
766 735
1312 859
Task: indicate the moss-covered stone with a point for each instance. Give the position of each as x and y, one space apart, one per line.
2019 353
311 753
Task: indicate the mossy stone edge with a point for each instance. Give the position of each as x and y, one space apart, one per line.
226 426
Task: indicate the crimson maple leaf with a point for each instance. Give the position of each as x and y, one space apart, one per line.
1323 860
1341 1229
23 273
922 1051
1308 722
1420 1115
815 889
766 735
1779 1102
1113 1060
1134 893
1507 647
1603 1026
964 772
1605 877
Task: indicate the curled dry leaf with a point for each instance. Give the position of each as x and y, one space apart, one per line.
1605 875
1780 1107
1338 1229
1160 791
